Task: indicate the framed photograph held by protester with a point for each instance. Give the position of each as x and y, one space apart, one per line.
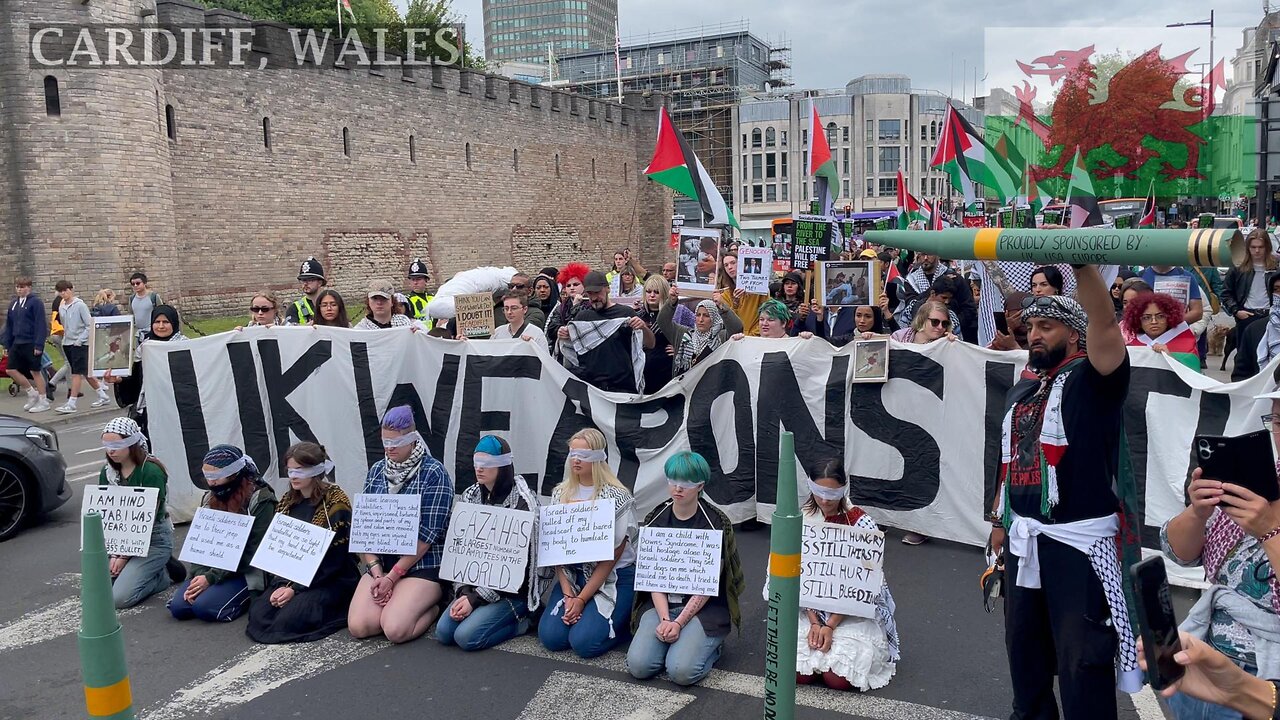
111 345
697 262
871 360
848 283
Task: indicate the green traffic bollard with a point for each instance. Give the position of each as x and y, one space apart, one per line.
107 693
1083 246
784 590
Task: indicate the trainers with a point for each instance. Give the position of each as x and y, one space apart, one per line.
102 401
41 405
65 409
32 397
177 571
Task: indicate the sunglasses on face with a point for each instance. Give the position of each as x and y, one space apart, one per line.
1269 421
1043 301
944 324
136 282
261 309
516 286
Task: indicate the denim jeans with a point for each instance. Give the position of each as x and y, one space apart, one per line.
687 660
486 626
589 637
220 602
143 577
1185 707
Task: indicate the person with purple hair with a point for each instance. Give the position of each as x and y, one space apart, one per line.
400 597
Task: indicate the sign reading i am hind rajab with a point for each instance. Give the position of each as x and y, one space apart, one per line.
128 515
922 449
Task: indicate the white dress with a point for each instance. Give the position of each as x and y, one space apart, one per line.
863 651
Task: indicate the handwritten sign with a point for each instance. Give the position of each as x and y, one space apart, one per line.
842 569
292 549
679 560
578 532
385 524
487 547
216 539
755 267
811 241
474 312
128 514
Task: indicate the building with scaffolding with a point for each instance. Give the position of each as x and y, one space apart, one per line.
527 31
704 72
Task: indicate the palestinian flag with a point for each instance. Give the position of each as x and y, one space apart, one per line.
1080 197
1030 194
1148 218
970 161
346 5
675 166
935 216
821 163
1005 148
909 208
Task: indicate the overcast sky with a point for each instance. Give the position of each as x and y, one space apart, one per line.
933 41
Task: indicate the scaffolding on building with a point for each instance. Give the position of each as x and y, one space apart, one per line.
702 76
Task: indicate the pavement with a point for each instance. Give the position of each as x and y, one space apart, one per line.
12 405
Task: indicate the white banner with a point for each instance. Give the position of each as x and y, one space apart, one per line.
385 523
842 569
292 549
128 515
679 560
216 539
576 532
921 449
487 547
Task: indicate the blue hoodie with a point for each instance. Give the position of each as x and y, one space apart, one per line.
25 323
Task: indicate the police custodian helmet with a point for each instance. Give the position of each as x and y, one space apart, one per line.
418 269
311 270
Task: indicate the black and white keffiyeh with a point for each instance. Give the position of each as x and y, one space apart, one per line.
695 342
1061 308
587 335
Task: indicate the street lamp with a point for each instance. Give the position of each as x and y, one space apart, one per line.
1204 102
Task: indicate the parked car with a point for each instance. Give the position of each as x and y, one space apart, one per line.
33 475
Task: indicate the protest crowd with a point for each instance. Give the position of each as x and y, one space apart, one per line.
1055 525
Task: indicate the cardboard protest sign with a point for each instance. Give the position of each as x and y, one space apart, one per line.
487 547
216 539
128 515
577 532
679 560
697 262
811 242
474 314
755 267
385 524
842 569
292 549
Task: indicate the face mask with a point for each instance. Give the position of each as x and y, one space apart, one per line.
225 490
588 455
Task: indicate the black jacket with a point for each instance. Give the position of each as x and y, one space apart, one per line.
1235 289
1247 351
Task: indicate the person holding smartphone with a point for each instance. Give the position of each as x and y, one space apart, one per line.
1234 534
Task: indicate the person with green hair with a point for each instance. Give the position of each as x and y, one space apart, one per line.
775 321
684 634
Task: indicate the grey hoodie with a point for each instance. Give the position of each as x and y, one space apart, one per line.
75 320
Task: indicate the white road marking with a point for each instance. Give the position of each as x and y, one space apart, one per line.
601 698
1147 704
258 671
82 466
82 478
70 579
58 619
86 451
858 704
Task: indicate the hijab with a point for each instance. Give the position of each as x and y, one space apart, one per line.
171 313
695 342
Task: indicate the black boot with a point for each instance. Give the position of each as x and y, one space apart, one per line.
177 571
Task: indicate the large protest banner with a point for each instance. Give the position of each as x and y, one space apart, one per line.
921 450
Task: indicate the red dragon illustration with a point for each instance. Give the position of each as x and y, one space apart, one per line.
1133 112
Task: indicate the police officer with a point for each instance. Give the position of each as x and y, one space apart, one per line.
304 308
417 296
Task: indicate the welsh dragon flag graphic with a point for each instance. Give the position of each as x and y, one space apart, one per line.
675 166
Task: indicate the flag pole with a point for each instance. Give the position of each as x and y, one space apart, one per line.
338 6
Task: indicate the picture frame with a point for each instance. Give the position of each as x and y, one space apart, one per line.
111 346
698 262
871 360
847 283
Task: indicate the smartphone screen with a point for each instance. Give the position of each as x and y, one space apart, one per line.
1244 460
1156 622
1002 323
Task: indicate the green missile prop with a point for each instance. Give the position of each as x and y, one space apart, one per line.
107 693
784 590
1085 246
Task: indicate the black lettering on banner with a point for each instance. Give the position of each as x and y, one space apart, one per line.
435 432
475 420
922 459
574 416
631 434
281 383
1143 382
726 376
370 423
253 419
1000 379
773 409
186 397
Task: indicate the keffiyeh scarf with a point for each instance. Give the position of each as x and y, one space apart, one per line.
696 342
587 335
398 473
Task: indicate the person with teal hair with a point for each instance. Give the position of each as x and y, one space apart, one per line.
775 321
480 617
684 634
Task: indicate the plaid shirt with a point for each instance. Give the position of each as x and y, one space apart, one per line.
436 489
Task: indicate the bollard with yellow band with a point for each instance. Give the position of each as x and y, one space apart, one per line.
107 693
1084 246
784 590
